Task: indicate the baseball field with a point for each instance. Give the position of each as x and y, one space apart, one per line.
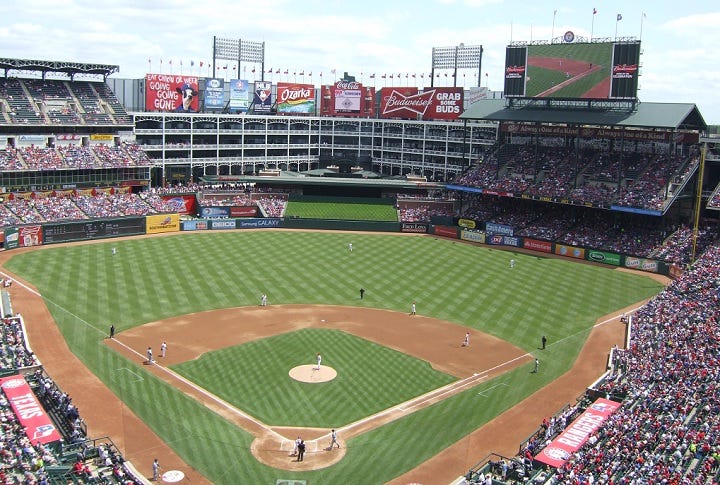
222 398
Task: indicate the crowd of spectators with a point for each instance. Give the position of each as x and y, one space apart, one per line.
272 205
625 233
639 180
26 210
667 430
72 156
21 460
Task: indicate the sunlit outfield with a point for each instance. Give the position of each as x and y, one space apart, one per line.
86 287
357 209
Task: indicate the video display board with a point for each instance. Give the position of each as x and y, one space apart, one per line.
167 92
75 231
348 98
602 70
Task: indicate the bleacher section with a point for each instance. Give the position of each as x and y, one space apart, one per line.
59 102
667 429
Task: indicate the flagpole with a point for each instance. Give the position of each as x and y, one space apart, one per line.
552 33
592 25
642 17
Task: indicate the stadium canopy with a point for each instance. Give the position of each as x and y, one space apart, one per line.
670 116
71 69
394 184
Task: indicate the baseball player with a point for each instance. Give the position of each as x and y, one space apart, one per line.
333 439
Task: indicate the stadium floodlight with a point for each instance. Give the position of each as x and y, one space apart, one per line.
240 51
460 56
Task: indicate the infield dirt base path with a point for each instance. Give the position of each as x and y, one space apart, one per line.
189 336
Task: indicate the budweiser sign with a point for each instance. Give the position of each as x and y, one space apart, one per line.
402 105
514 71
624 70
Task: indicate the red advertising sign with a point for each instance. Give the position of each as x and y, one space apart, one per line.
295 98
536 245
402 103
243 211
348 98
445 103
575 435
30 236
167 92
446 231
31 415
182 204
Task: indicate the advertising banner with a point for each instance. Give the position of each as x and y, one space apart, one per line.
195 225
215 93
239 95
244 211
182 204
642 264
515 65
575 435
28 410
445 103
213 212
258 223
223 224
416 227
473 236
162 223
603 257
403 103
348 98
500 240
262 98
167 92
537 245
570 251
445 231
12 238
494 228
30 236
625 70
467 223
295 98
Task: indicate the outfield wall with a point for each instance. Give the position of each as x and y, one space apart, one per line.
464 229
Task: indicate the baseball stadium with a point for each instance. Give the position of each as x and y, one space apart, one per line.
229 282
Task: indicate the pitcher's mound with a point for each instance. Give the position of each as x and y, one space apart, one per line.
310 373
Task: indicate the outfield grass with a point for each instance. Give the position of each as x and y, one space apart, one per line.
351 211
86 288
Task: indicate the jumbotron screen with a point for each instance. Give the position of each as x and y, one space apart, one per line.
602 70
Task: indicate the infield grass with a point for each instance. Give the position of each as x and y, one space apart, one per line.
86 288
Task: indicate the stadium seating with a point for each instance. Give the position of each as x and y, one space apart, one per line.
668 427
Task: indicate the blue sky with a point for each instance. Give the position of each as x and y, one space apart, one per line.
680 59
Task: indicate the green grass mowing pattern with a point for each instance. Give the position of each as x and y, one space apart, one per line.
86 289
360 389
352 211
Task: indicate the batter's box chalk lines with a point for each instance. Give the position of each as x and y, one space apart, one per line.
117 376
483 393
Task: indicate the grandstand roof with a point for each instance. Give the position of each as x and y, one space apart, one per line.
646 115
69 68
